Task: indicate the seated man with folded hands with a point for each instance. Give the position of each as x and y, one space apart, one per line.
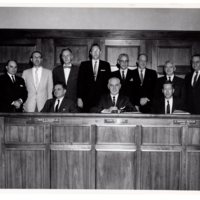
114 102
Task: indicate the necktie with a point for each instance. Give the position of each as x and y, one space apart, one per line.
141 76
95 70
13 78
57 105
123 75
36 77
195 79
168 107
169 79
113 100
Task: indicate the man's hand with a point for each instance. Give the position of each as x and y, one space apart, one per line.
144 101
17 103
80 103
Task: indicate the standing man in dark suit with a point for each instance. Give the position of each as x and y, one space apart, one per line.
60 103
124 74
92 79
192 81
67 73
114 102
144 81
13 89
178 83
167 103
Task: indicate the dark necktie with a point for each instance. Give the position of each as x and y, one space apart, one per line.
57 105
113 100
195 79
123 75
13 78
168 107
141 77
169 79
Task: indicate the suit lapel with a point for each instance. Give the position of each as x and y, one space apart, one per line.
52 105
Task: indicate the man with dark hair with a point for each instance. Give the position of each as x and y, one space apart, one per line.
113 102
178 83
144 81
39 84
67 73
60 103
167 103
192 82
125 75
92 79
13 89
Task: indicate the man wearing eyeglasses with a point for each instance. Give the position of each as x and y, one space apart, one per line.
192 81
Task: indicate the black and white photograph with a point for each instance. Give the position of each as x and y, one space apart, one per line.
100 97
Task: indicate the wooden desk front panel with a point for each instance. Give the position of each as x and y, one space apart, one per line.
99 152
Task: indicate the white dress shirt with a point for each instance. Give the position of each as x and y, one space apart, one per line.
143 71
170 104
194 76
60 99
39 72
67 72
125 72
116 97
171 77
10 75
93 63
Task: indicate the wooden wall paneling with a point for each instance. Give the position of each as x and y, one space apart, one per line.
17 49
196 47
193 158
179 52
2 154
160 170
27 156
47 48
161 157
79 47
115 47
115 158
71 157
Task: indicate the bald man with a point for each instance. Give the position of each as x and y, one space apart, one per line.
114 102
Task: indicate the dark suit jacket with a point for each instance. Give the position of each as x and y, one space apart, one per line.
10 92
59 76
179 86
106 102
127 84
67 106
159 105
90 90
192 95
144 90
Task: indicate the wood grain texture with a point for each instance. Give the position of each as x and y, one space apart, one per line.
193 173
71 134
161 135
160 170
17 134
25 169
115 170
70 169
115 134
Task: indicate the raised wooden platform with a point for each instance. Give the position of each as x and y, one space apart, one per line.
94 151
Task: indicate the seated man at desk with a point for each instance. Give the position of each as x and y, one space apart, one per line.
114 102
167 103
60 103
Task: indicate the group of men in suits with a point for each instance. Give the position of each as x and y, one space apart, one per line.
91 87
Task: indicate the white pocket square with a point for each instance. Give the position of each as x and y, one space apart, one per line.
102 70
131 79
21 86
